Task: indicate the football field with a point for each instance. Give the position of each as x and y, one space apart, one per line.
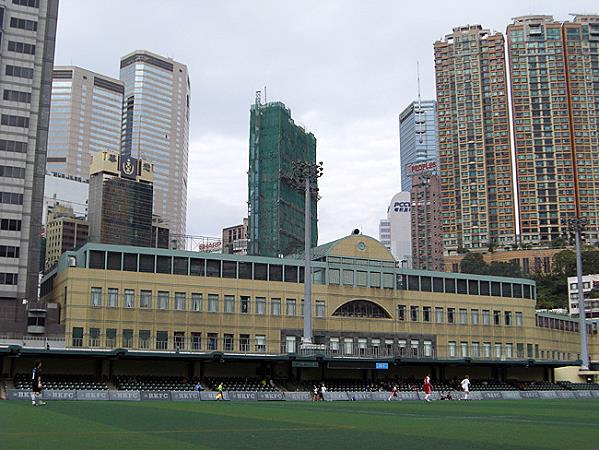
520 424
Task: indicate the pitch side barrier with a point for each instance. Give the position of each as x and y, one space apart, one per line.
251 396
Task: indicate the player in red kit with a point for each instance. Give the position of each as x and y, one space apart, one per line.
427 388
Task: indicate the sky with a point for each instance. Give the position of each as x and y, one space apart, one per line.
345 69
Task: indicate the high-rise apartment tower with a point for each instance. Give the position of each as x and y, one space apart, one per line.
477 204
85 118
27 37
276 205
554 70
156 128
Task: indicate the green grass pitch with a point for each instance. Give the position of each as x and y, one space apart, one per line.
520 424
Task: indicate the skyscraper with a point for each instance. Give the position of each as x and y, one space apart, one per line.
553 67
120 200
477 205
156 126
26 58
427 241
276 206
418 138
85 118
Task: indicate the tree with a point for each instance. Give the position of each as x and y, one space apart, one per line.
474 263
505 269
552 291
564 263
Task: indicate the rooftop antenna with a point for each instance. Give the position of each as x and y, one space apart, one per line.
265 100
418 79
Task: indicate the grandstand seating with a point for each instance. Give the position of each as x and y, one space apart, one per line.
579 386
62 382
538 386
153 383
241 384
490 385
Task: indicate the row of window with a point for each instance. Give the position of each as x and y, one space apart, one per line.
9 251
9 278
12 172
162 341
29 3
179 302
19 72
13 146
11 198
23 24
17 96
21 47
10 225
460 316
14 121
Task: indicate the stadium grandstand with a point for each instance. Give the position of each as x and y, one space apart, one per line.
142 319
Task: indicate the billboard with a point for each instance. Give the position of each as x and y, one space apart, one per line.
420 167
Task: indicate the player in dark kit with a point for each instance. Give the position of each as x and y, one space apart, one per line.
36 384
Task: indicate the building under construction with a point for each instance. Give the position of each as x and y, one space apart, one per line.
275 199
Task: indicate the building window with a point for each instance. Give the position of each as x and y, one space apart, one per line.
463 316
497 317
129 298
474 316
401 312
450 315
111 337
21 47
426 313
229 304
348 346
113 297
508 318
320 308
244 343
244 303
438 315
498 351
261 343
212 302
179 340
180 301
290 344
520 350
509 351
162 300
475 350
260 306
19 72
96 296
334 344
414 313
428 348
451 349
145 299
94 337
127 338
486 349
196 301
212 341
275 307
290 307
519 321
196 341
77 337
161 338
228 343
414 347
144 339
464 349
486 317
348 277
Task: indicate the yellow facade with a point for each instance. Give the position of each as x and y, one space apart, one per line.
424 331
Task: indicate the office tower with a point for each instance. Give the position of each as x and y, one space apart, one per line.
418 139
385 233
276 204
26 59
64 231
474 140
398 218
120 200
85 118
553 67
156 128
235 238
427 240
